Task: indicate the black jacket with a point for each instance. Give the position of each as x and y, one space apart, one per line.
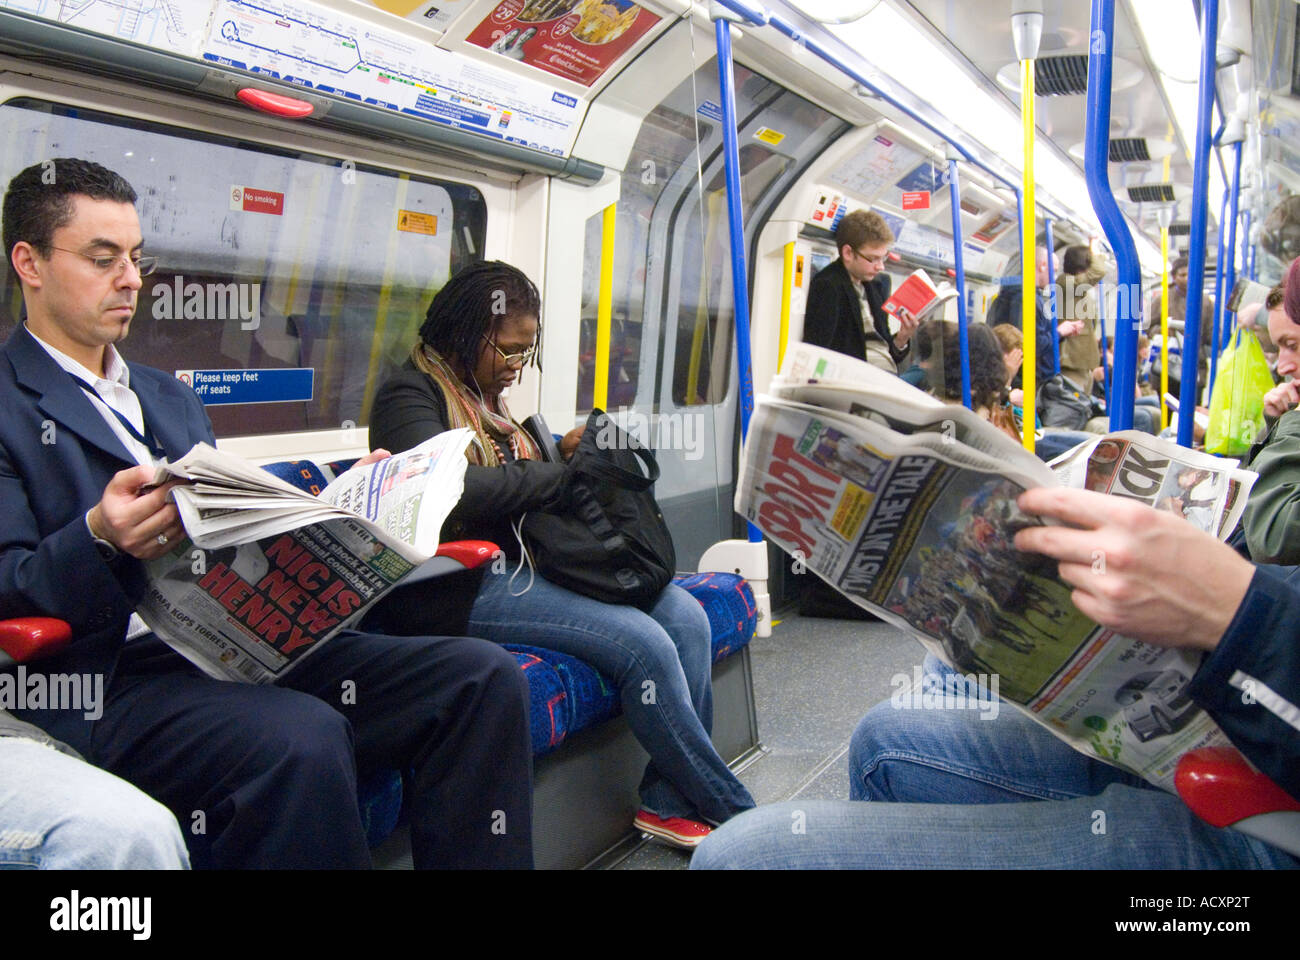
833 318
1258 654
1006 309
410 409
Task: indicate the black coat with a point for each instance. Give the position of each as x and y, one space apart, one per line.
833 318
409 409
1006 309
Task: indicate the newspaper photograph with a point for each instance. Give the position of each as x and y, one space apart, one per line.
920 530
268 573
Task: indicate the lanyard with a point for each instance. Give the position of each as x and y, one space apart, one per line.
147 438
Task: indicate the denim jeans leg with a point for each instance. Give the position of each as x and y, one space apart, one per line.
1122 828
650 667
60 813
966 789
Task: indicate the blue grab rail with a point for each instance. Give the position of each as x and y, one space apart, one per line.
1200 197
1218 294
954 195
739 276
1128 303
1230 267
1053 308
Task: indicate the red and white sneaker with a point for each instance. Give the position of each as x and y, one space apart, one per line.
677 831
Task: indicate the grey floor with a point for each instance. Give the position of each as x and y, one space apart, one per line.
813 680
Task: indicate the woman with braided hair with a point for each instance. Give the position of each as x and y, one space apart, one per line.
481 329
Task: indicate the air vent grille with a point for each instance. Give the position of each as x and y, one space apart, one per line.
1129 150
1152 193
1180 230
1059 76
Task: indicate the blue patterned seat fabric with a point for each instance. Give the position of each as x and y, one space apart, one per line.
567 694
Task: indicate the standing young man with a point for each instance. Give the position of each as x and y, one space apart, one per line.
260 776
846 299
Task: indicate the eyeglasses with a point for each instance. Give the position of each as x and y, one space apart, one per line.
878 261
512 359
113 265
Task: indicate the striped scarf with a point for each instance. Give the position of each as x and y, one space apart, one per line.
467 408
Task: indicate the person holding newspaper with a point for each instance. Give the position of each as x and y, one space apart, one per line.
948 785
261 775
481 329
846 299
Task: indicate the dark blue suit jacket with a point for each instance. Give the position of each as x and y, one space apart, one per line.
56 457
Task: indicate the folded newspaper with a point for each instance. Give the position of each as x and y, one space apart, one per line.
268 572
907 506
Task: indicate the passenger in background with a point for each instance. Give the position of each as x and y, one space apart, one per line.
1271 522
1178 287
938 345
1006 307
1050 444
846 298
60 813
1146 406
481 329
1080 352
948 786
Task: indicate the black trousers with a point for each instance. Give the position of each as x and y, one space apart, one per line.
266 776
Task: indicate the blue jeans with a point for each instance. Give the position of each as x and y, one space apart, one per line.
60 813
661 661
950 789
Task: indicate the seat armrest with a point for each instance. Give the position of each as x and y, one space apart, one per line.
1222 788
31 638
468 553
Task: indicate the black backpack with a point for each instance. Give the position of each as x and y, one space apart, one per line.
609 540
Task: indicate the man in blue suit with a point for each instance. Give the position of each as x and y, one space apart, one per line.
258 776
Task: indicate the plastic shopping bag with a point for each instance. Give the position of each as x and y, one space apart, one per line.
1237 403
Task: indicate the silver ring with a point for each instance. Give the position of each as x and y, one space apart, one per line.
162 538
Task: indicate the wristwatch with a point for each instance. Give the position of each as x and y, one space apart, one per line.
107 552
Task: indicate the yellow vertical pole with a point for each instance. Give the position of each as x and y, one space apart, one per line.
1029 258
787 282
604 309
1164 325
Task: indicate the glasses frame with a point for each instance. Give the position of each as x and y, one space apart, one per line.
512 359
108 265
877 261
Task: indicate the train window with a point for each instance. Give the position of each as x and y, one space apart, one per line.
706 310
666 141
271 261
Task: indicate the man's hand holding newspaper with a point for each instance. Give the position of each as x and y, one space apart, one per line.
1117 556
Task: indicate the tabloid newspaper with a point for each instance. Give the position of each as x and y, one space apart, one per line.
268 573
907 506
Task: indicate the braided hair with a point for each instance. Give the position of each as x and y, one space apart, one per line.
473 303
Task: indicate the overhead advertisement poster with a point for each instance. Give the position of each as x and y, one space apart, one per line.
574 39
